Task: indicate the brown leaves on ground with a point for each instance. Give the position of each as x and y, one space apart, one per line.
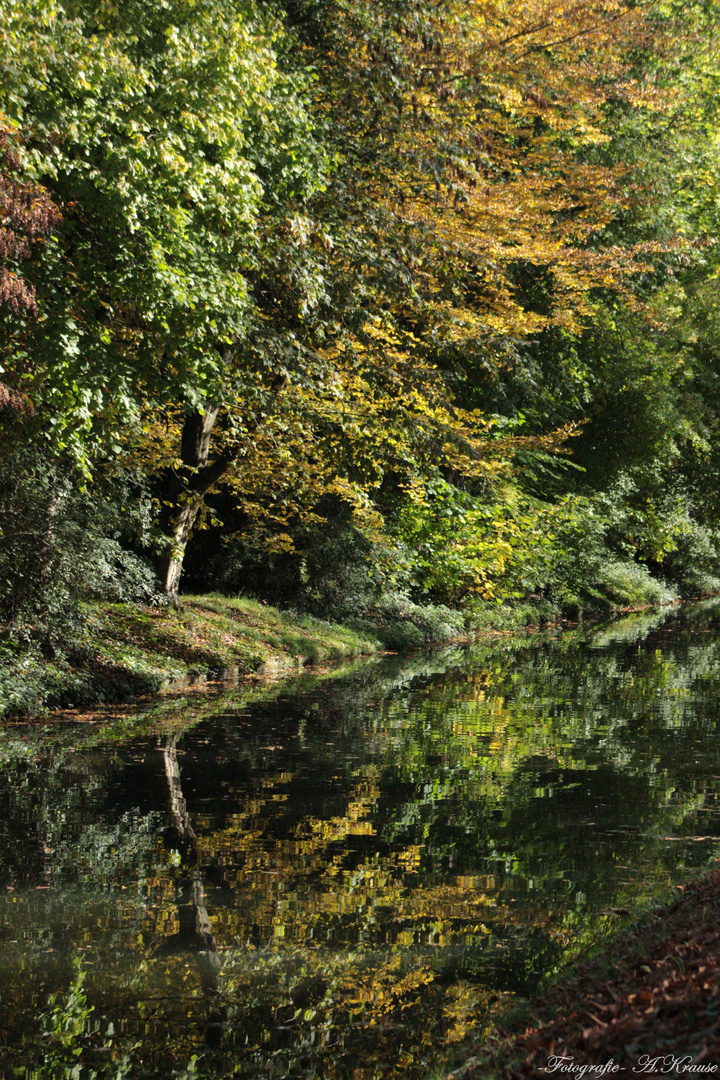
655 991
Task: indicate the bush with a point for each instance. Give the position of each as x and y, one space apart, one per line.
695 565
628 584
402 625
334 572
59 544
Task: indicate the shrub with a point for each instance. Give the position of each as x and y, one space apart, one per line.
60 543
628 584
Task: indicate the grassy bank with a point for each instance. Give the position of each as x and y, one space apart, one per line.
120 651
115 653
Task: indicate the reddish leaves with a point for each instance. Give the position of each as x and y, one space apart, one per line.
26 215
663 997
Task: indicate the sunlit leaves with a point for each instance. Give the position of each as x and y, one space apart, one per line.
160 146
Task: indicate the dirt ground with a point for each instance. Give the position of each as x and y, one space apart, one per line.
647 1005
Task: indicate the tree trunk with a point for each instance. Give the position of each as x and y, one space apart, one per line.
188 488
183 528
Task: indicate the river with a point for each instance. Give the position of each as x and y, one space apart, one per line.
347 876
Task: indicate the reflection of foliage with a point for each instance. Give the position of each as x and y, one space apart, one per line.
77 1046
384 857
73 1039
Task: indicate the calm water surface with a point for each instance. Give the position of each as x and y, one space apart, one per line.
348 877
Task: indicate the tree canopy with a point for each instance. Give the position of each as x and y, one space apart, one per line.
386 258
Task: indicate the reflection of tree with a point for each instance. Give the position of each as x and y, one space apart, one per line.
195 932
178 806
391 848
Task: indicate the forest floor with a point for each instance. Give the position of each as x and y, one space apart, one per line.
122 651
647 1004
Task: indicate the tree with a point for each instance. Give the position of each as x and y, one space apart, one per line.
486 159
310 228
162 145
470 156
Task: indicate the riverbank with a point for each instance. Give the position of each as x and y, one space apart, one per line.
115 653
647 1003
123 651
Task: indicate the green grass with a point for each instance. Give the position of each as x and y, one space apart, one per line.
124 651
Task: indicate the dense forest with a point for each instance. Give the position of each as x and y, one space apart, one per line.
379 312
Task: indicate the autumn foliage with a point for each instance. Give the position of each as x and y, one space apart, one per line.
313 254
26 216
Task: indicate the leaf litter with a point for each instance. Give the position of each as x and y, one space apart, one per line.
649 1001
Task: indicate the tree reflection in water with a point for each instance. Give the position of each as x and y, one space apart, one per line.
349 879
195 934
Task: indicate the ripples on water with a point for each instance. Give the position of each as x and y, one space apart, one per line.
348 878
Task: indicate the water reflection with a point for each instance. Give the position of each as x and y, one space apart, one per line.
345 880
